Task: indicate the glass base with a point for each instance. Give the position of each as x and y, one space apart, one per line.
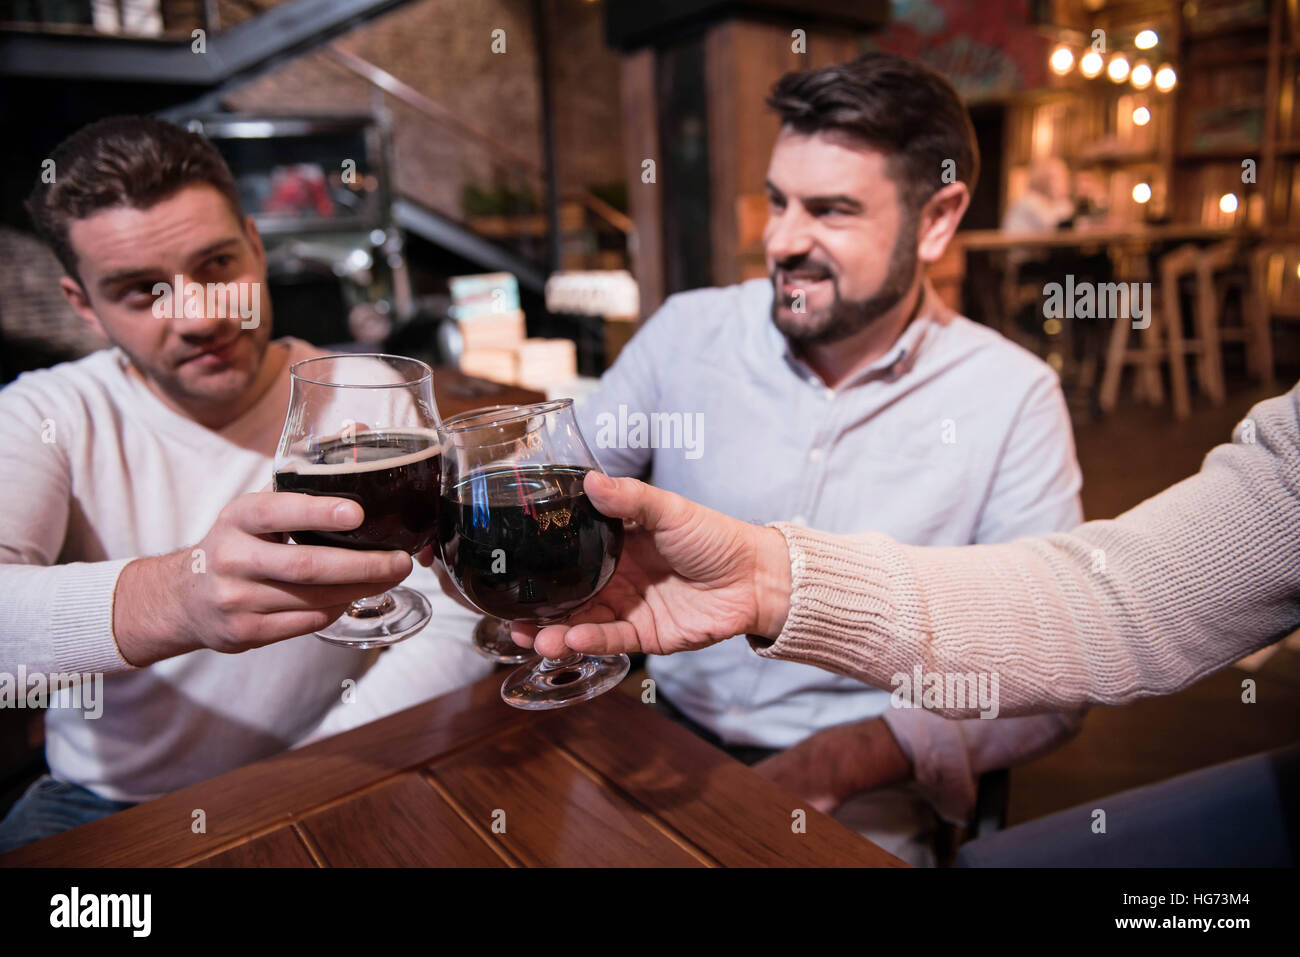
492 641
560 682
385 619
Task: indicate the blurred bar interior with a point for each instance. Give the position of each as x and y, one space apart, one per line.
498 213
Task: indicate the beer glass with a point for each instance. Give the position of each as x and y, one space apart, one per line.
522 541
364 427
491 637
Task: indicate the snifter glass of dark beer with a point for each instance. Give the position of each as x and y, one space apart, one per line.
364 427
522 541
491 637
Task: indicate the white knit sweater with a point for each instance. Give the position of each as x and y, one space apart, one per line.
97 471
1145 604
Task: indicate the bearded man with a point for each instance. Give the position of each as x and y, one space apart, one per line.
842 394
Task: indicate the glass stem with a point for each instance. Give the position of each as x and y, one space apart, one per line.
556 664
373 607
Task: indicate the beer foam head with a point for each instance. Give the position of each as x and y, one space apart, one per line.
357 445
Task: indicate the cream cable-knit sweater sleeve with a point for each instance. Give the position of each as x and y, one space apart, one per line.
1145 604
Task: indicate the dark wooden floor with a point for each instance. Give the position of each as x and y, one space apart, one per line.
1127 457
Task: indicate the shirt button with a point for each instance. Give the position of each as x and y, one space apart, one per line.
815 455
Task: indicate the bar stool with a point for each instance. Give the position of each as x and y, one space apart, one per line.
1204 345
1227 267
1149 356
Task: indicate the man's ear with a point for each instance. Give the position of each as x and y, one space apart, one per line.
939 219
255 240
80 303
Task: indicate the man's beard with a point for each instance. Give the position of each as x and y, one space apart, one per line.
845 318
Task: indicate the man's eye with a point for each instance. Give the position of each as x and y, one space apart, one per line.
222 261
141 293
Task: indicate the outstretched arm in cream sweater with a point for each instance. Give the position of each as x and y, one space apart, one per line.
1145 604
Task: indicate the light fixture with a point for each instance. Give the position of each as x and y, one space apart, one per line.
1166 78
1141 116
1061 60
1146 40
1142 193
1090 64
1141 75
1118 69
1228 202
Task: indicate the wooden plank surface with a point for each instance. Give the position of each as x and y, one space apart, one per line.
716 803
270 792
548 812
404 823
282 848
610 782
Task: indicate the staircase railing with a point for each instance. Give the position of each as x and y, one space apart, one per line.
516 166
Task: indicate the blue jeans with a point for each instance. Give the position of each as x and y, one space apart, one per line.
1244 813
49 807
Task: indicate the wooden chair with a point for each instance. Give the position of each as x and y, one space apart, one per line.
1205 344
1227 267
1274 293
1149 356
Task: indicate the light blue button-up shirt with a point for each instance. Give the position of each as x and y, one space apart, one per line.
955 436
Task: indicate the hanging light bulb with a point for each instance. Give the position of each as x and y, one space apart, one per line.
1061 60
1141 76
1166 78
1090 64
1118 69
1228 202
1141 116
1146 40
1142 193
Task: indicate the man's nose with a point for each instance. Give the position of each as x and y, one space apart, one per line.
204 312
788 236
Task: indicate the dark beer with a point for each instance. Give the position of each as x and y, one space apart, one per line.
526 542
393 474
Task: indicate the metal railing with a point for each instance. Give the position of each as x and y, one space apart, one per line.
514 174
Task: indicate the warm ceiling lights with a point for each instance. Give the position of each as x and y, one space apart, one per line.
1228 202
1146 40
1090 64
1118 69
1141 76
1141 116
1061 60
1142 193
1166 78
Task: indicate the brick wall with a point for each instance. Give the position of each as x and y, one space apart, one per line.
442 48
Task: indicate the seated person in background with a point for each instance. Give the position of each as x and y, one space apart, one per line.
121 465
1047 202
842 394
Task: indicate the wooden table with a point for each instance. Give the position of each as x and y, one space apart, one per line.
467 781
991 240
456 392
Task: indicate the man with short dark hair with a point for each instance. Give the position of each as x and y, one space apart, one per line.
842 394
137 554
